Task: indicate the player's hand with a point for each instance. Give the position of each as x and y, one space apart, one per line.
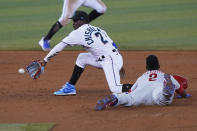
43 63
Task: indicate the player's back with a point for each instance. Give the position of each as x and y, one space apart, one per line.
145 85
152 82
155 77
151 77
95 40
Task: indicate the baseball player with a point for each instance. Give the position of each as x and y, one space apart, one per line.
152 88
102 53
69 7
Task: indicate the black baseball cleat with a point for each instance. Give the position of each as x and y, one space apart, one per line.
106 102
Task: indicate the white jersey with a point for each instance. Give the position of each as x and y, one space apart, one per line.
93 39
102 53
150 78
148 90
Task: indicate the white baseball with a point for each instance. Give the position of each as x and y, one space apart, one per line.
21 71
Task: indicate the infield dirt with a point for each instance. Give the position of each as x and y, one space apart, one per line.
23 100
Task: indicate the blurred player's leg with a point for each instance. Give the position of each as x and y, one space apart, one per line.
99 8
69 7
55 28
45 41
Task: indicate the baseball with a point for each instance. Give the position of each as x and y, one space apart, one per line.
21 71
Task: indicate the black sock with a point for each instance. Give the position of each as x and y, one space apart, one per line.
53 30
76 74
93 15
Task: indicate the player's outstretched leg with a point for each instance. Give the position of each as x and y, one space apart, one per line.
106 102
66 89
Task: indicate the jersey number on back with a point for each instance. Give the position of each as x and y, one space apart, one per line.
153 77
98 34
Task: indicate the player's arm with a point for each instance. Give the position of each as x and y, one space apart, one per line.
56 50
135 85
69 40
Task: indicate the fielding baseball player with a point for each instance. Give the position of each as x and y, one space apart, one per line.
152 88
102 53
69 7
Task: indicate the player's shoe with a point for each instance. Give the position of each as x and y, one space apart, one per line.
45 44
66 89
169 87
106 102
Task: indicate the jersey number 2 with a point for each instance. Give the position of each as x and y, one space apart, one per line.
97 34
152 77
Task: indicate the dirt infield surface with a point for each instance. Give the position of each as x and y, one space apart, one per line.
23 100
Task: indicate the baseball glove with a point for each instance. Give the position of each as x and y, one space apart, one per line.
35 69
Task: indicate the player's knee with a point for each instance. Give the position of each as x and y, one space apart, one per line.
81 60
114 89
102 10
64 21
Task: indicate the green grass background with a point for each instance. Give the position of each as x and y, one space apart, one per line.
27 127
132 24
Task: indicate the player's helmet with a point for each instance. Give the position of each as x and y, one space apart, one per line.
182 81
80 15
152 63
